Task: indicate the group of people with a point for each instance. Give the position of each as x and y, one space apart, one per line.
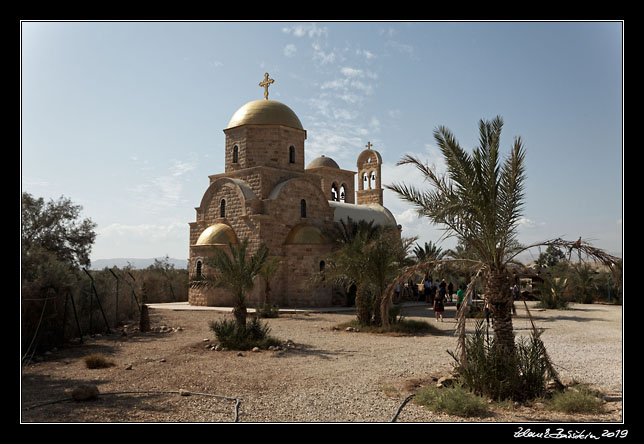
438 292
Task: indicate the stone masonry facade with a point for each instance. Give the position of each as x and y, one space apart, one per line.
267 196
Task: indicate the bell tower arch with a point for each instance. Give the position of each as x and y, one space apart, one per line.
369 181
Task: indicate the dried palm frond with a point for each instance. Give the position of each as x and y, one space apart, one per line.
578 246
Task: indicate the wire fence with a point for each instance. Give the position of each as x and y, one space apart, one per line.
96 302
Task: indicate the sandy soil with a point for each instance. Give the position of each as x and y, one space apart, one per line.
330 375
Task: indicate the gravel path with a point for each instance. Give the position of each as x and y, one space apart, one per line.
330 376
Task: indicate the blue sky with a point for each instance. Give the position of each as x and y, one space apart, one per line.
126 118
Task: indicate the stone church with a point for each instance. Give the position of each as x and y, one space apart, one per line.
267 195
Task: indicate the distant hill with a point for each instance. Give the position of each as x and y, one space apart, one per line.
136 263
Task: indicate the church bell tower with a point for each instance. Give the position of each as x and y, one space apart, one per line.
369 169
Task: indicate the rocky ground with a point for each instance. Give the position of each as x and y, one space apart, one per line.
172 374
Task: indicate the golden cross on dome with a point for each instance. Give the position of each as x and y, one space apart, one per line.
265 84
368 145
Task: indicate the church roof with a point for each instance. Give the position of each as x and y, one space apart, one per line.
372 212
322 161
265 112
217 234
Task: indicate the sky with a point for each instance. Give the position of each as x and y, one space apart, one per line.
126 118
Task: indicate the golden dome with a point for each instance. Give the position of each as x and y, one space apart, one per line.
217 234
323 162
265 112
305 234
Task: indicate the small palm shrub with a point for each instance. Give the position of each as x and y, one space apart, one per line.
490 371
230 334
551 293
456 400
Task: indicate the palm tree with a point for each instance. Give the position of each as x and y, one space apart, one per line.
267 272
368 256
428 251
235 272
479 201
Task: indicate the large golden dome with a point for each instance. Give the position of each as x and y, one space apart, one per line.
265 112
217 234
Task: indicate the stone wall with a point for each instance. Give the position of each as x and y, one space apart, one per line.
333 176
303 264
366 197
264 145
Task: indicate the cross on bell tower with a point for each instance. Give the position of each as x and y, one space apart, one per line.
265 84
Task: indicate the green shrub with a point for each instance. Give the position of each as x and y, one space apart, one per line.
551 292
268 311
491 372
579 400
232 336
98 360
456 400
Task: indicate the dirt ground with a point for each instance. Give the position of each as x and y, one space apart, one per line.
327 374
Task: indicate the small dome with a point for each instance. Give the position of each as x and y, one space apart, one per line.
265 112
305 234
217 234
323 162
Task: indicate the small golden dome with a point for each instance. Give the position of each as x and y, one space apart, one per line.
305 234
217 234
323 161
265 112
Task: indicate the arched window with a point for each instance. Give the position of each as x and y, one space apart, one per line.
322 266
222 208
343 193
372 182
302 208
334 192
365 181
198 269
291 154
235 154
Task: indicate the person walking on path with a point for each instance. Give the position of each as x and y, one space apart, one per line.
487 312
460 294
439 303
450 291
427 287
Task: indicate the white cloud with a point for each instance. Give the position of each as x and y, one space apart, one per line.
310 30
321 56
403 48
374 124
351 72
528 224
179 168
290 50
407 216
367 54
163 191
